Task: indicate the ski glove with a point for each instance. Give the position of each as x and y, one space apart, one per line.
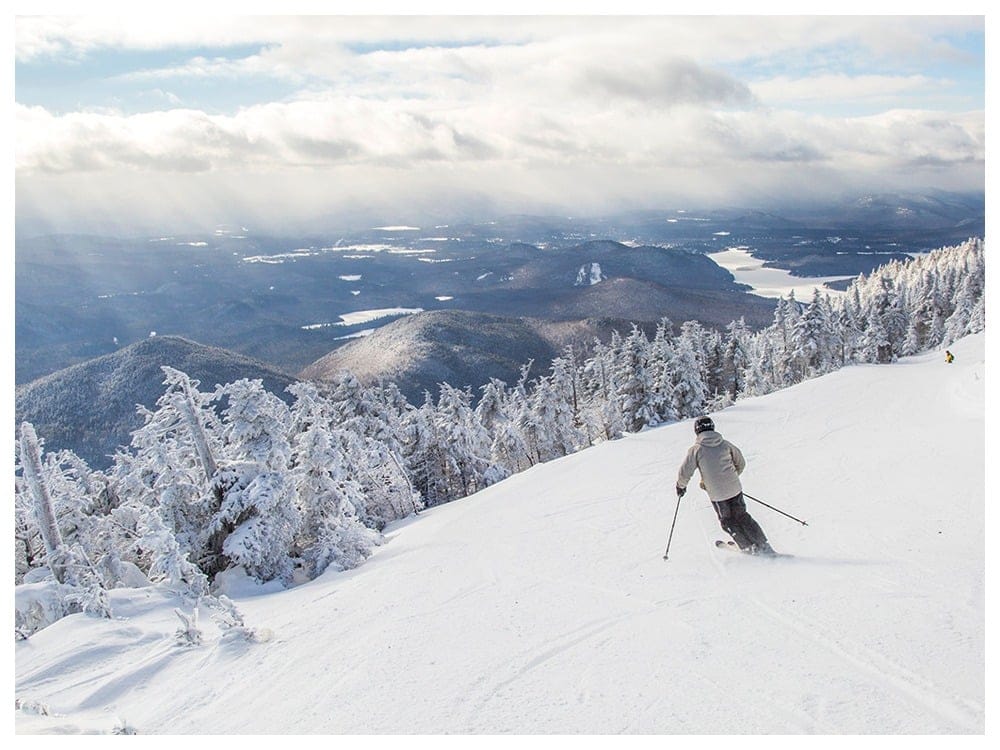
681 491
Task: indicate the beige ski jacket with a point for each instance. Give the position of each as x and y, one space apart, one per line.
720 463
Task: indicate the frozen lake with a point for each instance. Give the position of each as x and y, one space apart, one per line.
770 282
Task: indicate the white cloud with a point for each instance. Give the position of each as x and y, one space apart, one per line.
407 134
575 111
837 87
47 36
285 165
720 37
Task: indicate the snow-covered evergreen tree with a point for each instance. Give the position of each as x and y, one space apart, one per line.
962 321
597 380
688 392
330 534
786 316
83 588
924 323
658 371
736 358
257 519
549 423
466 447
425 454
167 561
256 522
566 382
631 380
810 344
174 465
255 425
500 411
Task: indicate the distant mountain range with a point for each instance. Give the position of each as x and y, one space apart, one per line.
904 213
78 297
90 408
96 317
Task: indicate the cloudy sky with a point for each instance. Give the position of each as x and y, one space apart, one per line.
187 121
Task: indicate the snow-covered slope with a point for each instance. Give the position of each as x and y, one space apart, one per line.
543 604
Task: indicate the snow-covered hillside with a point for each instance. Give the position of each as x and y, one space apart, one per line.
544 605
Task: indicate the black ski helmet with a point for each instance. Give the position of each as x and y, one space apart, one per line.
703 423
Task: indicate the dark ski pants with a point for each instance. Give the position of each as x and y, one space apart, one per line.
738 523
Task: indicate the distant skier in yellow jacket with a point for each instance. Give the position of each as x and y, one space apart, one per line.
948 357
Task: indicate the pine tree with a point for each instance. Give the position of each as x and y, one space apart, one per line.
256 523
810 343
875 345
714 367
174 465
568 385
919 326
604 406
658 372
34 477
330 533
84 590
735 358
549 422
167 561
255 425
688 392
779 335
257 519
425 454
970 293
501 412
466 445
632 384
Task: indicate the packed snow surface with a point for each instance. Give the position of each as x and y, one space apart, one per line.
544 605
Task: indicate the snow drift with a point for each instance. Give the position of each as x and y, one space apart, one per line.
543 604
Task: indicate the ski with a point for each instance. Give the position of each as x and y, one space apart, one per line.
733 547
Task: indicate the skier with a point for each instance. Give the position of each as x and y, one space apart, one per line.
720 464
948 357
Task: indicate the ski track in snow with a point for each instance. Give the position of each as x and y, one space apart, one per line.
543 604
959 712
953 711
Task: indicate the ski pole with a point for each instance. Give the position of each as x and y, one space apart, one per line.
669 538
775 509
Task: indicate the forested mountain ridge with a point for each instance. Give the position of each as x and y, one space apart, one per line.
90 408
461 348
